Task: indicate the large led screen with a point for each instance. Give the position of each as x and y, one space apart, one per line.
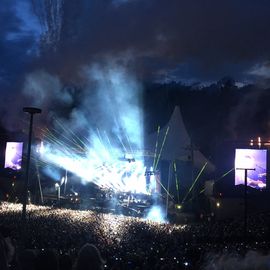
254 162
13 157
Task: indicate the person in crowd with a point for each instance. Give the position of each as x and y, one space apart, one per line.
7 245
26 259
47 260
251 260
89 258
65 262
3 254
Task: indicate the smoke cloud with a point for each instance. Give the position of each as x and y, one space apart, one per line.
45 89
103 121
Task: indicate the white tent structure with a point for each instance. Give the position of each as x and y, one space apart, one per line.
173 144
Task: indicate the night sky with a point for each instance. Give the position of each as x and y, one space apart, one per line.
86 63
154 40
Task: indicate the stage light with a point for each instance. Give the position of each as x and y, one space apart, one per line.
178 206
149 173
129 157
40 149
156 214
259 142
218 204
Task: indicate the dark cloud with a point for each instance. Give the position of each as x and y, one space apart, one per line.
209 38
189 40
201 40
154 39
15 46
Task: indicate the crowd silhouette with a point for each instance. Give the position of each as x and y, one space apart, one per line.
72 239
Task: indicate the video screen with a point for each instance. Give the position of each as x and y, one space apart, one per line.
254 160
13 155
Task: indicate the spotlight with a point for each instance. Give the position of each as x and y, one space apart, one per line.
148 173
129 157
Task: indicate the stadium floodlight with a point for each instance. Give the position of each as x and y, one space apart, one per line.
31 110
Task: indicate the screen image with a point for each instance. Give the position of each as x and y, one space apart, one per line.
254 160
13 155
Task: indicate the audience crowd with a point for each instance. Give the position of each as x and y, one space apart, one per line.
59 239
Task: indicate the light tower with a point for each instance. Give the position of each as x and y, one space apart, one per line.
31 111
